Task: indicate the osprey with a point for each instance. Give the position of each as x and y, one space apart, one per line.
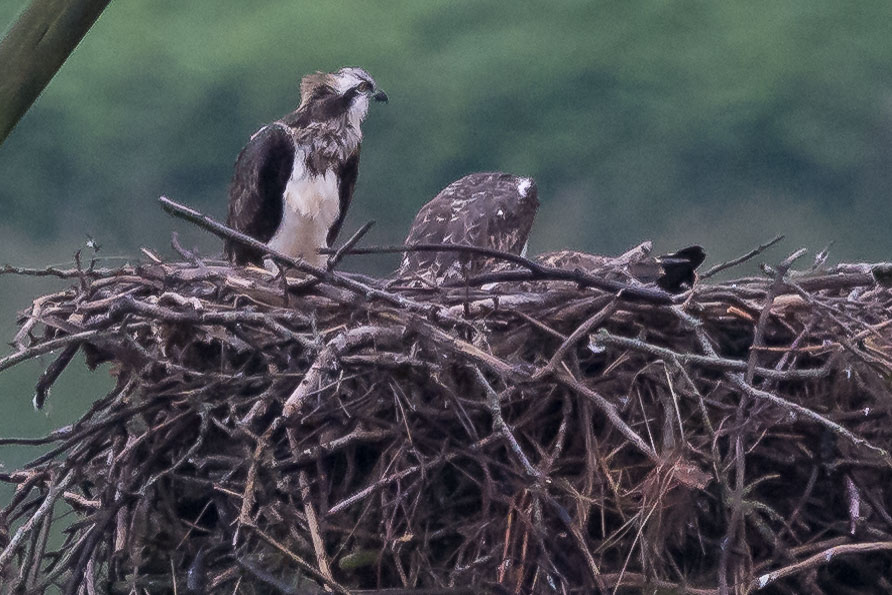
674 272
489 210
294 179
496 211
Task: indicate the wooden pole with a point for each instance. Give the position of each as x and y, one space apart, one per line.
34 49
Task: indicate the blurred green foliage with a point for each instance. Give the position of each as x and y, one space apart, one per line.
722 123
681 121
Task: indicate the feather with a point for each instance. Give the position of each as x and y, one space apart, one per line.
294 180
347 175
490 210
255 194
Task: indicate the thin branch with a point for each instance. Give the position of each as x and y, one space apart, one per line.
220 230
500 426
715 362
740 259
535 271
46 347
57 488
818 560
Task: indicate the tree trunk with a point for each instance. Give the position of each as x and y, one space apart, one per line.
35 47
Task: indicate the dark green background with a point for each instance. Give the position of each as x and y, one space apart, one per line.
722 123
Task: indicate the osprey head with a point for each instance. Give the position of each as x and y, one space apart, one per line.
353 86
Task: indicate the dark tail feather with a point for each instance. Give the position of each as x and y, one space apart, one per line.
678 268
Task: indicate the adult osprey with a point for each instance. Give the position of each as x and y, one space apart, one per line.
490 210
294 179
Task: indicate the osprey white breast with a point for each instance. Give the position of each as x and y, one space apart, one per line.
312 205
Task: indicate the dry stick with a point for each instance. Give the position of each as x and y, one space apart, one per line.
339 254
466 350
736 530
320 450
51 271
383 481
571 341
363 493
609 409
647 584
604 337
762 324
46 347
54 436
818 560
361 289
501 427
738 380
45 508
313 525
329 354
128 304
34 554
49 376
535 271
740 259
303 564
835 281
244 515
335 256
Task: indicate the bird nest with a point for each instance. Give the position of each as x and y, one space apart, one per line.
548 431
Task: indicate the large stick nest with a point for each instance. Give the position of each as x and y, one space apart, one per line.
272 434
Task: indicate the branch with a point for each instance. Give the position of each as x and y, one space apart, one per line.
34 49
45 508
536 271
223 231
716 362
818 560
740 259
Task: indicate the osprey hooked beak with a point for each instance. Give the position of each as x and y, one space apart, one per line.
380 96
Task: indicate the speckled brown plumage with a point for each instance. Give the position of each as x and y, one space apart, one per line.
491 210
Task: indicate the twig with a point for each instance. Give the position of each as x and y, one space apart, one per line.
49 376
738 380
535 271
571 341
761 324
339 254
220 230
609 409
740 259
819 560
327 357
46 347
302 564
313 525
499 425
53 272
57 488
715 362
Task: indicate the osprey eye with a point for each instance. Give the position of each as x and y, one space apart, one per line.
364 86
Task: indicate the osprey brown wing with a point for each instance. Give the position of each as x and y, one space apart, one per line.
255 194
490 210
347 175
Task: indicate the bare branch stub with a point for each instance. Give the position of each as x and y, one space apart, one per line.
332 432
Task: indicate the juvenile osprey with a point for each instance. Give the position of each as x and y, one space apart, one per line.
671 272
294 179
488 210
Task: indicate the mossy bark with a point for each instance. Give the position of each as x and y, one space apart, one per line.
34 49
